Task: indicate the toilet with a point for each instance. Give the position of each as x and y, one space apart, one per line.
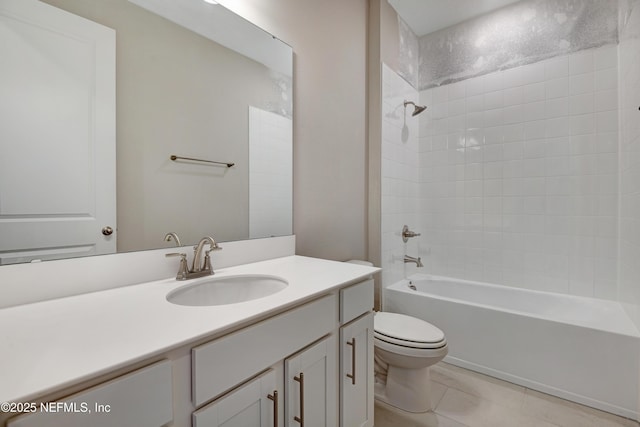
404 348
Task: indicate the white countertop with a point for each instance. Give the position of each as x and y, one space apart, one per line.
50 345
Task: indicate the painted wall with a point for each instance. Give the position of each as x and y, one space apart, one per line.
329 41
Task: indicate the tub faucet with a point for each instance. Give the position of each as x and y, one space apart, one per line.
417 260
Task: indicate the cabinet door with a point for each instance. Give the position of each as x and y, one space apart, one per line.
251 405
356 373
310 386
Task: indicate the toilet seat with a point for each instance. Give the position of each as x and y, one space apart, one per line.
406 331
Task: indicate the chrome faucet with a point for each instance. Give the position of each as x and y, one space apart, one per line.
197 269
417 260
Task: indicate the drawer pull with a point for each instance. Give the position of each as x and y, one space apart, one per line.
352 375
300 379
274 397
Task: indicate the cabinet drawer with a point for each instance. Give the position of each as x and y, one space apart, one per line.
356 300
140 399
228 361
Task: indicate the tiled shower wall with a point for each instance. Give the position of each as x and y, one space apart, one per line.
270 165
400 174
518 176
629 51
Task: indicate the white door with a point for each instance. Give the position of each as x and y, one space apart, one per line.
356 373
251 405
57 134
310 386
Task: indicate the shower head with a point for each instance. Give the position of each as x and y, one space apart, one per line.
417 109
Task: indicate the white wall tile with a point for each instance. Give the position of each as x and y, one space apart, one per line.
531 180
581 83
606 79
557 88
514 177
605 57
556 67
581 62
533 73
534 92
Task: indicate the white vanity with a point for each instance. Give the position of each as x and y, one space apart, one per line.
302 356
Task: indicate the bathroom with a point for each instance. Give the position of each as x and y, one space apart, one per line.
338 138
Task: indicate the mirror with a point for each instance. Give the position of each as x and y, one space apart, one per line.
192 80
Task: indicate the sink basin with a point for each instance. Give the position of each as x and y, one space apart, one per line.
226 290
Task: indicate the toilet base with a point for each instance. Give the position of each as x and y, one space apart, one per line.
406 389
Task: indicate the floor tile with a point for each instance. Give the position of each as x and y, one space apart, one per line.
486 387
474 411
569 414
388 416
463 398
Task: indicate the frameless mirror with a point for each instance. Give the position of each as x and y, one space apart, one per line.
195 101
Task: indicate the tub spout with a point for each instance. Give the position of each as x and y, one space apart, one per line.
417 260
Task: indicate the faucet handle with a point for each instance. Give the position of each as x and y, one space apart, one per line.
183 270
172 254
406 233
207 263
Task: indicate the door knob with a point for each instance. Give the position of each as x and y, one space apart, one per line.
107 231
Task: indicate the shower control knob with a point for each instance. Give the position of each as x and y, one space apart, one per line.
406 234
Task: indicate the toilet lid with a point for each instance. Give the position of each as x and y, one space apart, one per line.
406 329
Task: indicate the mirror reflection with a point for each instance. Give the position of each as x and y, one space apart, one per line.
172 91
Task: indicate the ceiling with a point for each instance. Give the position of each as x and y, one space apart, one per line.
427 16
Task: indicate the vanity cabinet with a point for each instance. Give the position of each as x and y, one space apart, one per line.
142 398
299 351
298 391
310 385
308 366
255 404
356 373
356 355
324 384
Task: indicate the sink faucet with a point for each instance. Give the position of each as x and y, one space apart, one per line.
197 269
172 236
417 260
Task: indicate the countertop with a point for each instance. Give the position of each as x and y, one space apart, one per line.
50 345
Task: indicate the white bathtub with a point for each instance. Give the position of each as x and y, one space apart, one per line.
581 349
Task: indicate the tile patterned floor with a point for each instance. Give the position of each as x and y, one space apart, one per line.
463 398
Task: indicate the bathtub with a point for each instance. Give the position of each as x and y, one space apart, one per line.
581 349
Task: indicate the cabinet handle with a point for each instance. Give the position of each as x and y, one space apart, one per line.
274 397
300 379
352 375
